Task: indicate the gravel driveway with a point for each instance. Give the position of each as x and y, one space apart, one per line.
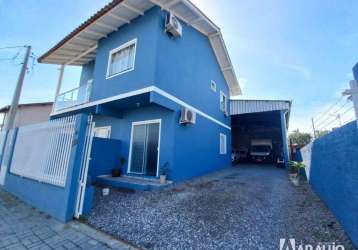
246 207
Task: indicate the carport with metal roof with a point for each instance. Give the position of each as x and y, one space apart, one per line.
255 120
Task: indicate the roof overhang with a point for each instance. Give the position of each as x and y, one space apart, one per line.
239 107
79 47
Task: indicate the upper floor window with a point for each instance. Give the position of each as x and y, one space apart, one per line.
213 86
223 102
121 59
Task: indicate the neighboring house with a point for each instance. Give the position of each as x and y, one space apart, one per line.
28 113
137 79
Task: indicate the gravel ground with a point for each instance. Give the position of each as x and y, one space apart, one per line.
246 207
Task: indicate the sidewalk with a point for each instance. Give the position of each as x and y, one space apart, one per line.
22 227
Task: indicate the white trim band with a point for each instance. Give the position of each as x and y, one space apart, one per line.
138 92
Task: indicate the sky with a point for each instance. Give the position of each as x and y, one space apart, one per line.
299 50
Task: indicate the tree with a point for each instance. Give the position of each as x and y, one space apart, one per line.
300 138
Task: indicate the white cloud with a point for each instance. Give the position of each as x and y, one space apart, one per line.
304 71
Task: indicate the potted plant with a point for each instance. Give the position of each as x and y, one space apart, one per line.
164 171
116 172
295 168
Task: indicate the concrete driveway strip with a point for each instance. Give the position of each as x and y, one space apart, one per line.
245 207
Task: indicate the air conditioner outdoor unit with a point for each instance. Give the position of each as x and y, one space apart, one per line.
173 25
187 116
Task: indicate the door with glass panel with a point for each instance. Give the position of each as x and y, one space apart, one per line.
145 148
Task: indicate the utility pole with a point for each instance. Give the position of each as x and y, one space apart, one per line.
59 82
353 96
58 88
314 129
15 99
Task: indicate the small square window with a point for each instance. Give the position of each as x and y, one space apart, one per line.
223 149
121 59
213 86
102 132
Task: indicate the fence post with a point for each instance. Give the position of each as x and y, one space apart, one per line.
284 137
3 139
353 93
8 152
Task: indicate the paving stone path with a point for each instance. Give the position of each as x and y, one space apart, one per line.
22 227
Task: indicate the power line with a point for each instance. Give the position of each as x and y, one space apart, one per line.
333 113
12 58
335 118
320 116
12 47
347 110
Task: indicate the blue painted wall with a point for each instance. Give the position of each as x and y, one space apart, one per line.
145 30
56 201
105 155
181 146
183 67
121 129
197 149
334 175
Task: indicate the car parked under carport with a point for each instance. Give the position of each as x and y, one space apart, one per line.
259 127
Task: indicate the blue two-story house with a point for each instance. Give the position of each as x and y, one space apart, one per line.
156 81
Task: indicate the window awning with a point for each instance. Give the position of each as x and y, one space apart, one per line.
79 47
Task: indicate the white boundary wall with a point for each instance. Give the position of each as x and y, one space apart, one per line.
306 153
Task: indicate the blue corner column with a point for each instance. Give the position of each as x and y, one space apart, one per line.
284 136
75 166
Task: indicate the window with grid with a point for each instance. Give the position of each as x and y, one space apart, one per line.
121 59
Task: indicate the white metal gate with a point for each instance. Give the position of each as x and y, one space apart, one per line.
86 157
42 151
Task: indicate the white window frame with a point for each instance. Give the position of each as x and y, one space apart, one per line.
113 51
223 151
226 102
213 85
108 128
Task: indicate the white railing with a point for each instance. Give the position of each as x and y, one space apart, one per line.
73 97
42 151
